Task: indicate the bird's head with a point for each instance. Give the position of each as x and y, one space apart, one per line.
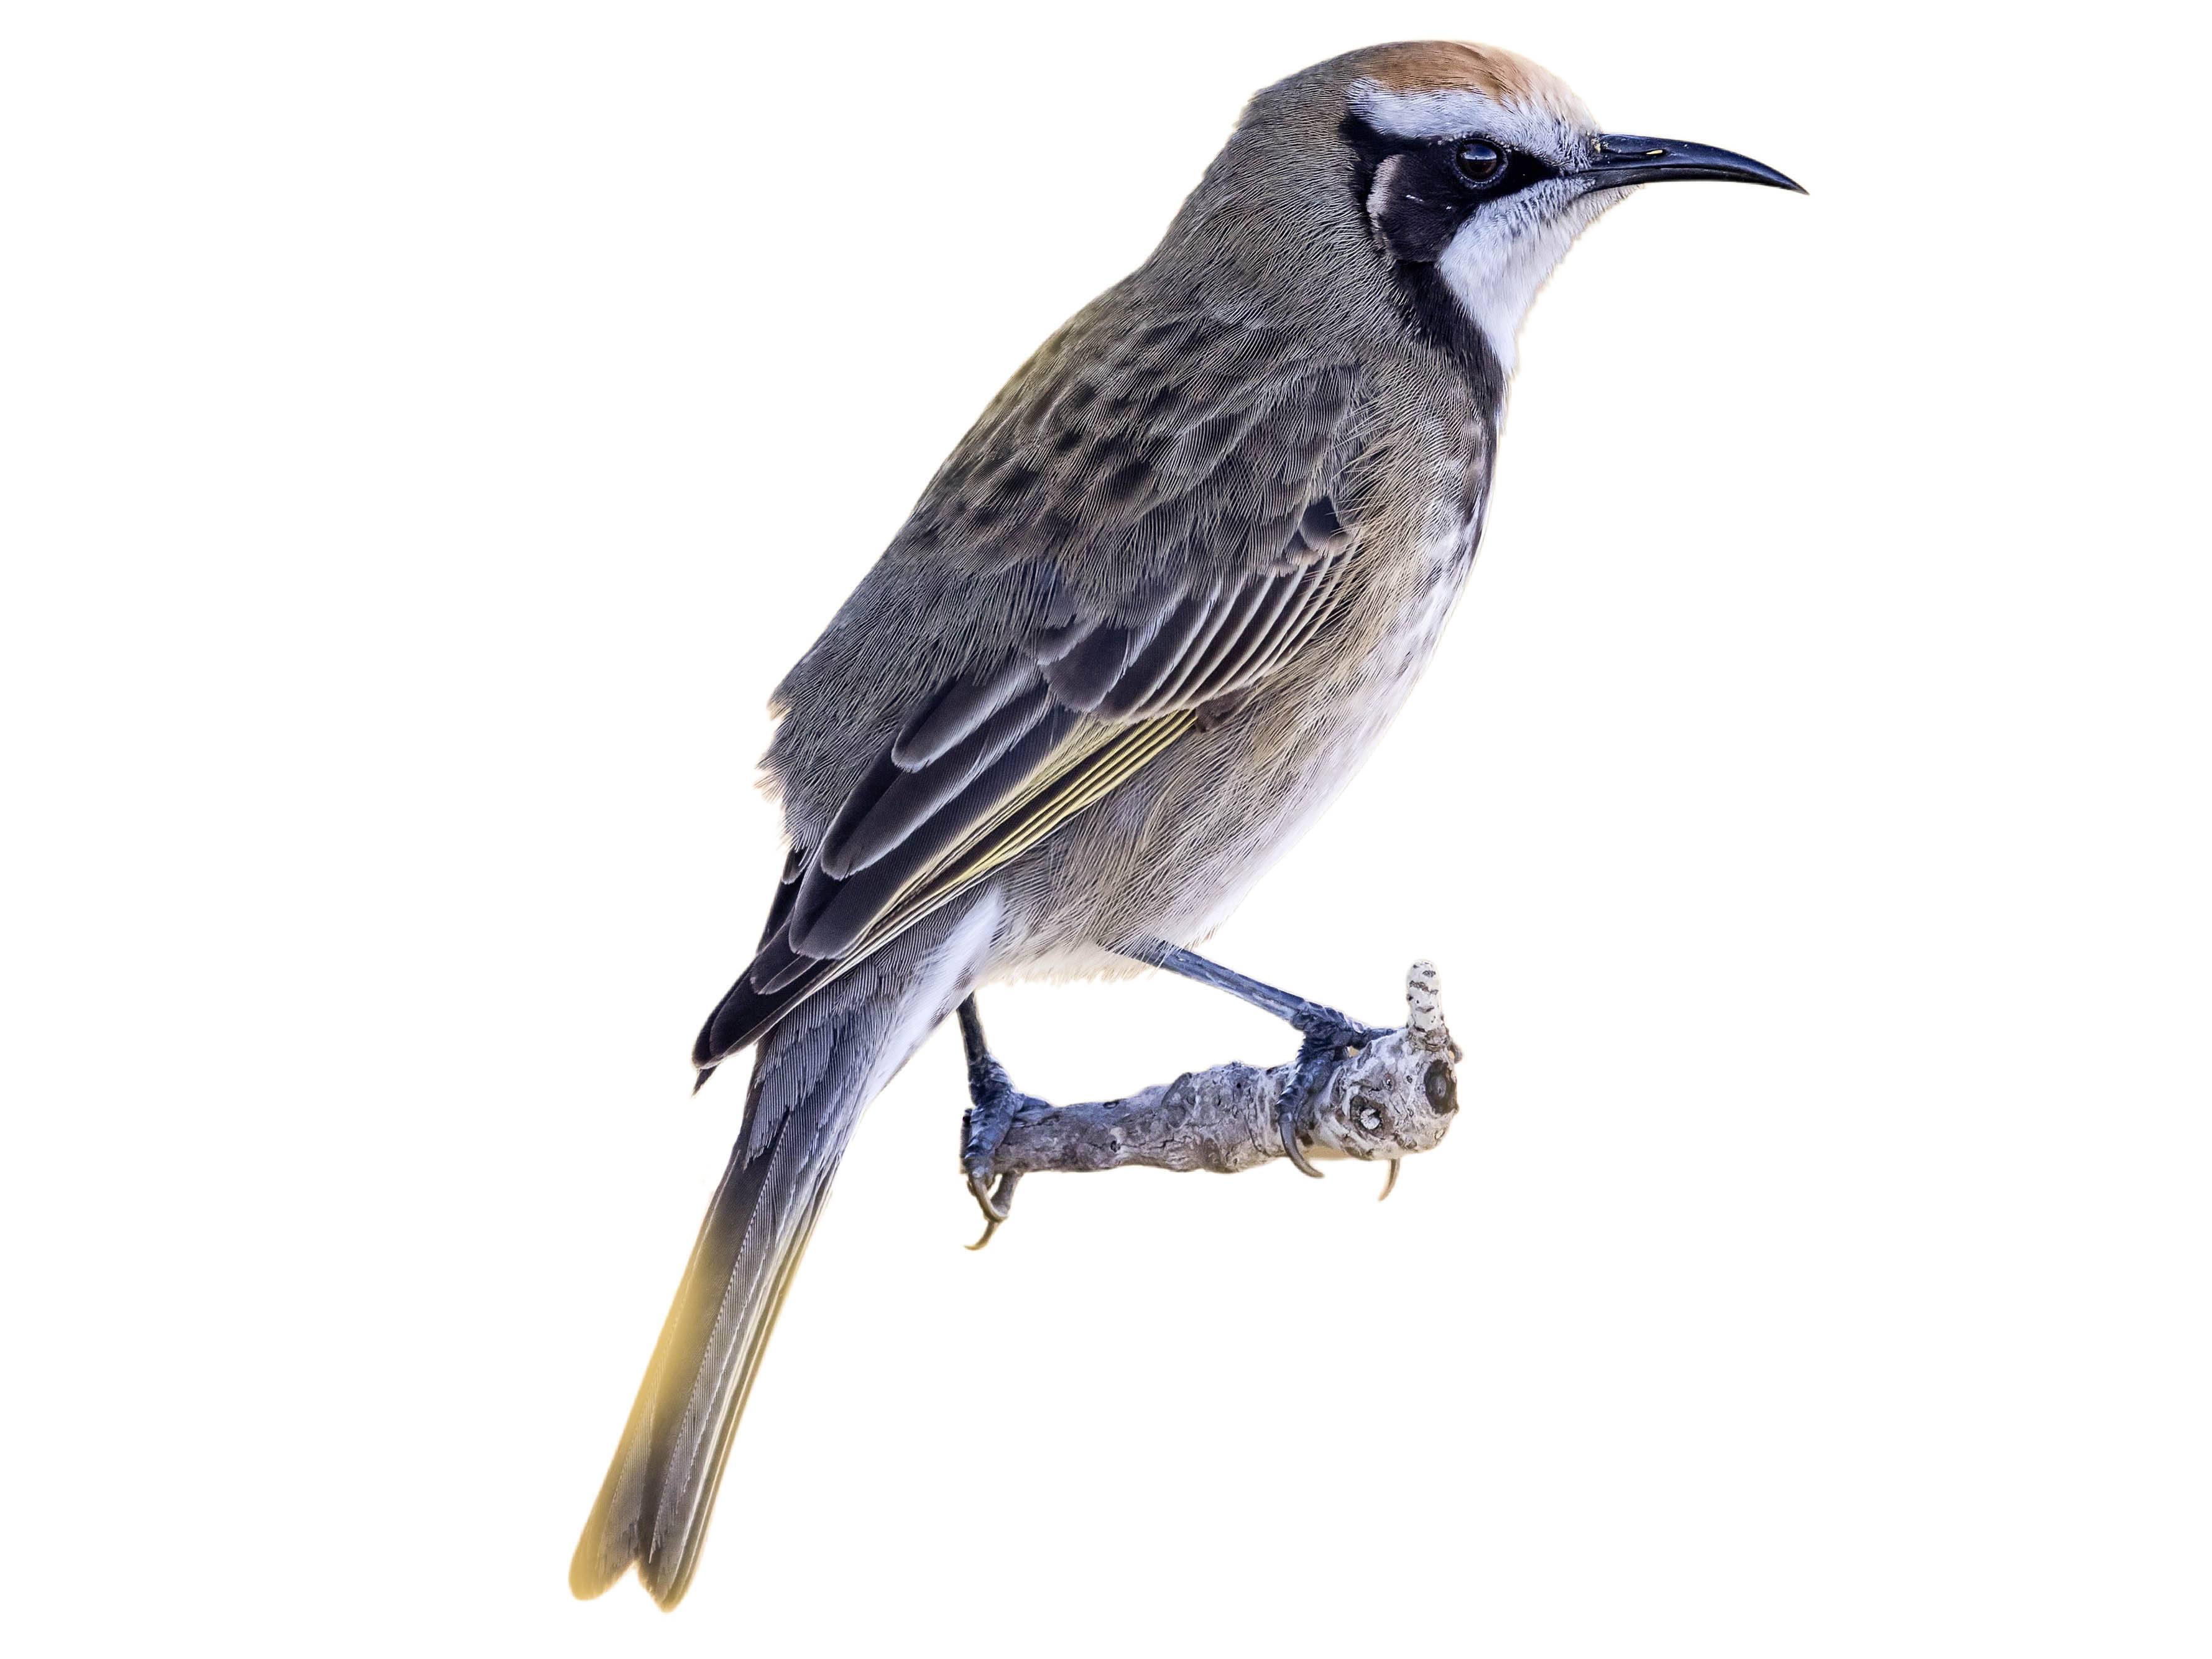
1470 170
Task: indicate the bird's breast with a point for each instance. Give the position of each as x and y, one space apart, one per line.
1407 619
1174 850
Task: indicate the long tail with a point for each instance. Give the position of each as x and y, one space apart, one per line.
814 1075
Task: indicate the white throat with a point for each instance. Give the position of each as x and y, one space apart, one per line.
1503 256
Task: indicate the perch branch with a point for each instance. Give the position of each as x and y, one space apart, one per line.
1390 1099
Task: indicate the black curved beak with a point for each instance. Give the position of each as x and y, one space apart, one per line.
1624 158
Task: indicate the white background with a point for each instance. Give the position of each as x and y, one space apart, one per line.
432 430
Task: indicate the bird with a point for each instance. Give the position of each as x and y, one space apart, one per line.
1141 628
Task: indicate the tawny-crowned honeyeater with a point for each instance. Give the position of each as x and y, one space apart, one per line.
1140 627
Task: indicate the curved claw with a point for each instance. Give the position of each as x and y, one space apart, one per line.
1286 1125
1329 1040
1389 1185
980 1185
996 1204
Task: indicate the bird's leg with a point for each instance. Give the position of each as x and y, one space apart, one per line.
1328 1036
992 1102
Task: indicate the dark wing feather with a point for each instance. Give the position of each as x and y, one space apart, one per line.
834 912
964 704
786 891
914 794
1160 660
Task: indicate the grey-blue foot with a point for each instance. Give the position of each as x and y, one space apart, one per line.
993 1101
1329 1037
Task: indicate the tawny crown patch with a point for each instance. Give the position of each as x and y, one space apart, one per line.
1419 68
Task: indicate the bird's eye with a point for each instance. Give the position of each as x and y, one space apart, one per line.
1479 163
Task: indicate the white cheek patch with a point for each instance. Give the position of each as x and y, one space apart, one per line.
1502 257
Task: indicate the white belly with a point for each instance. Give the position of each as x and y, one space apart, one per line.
1345 725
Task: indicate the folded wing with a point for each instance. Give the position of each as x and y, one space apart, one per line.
992 759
